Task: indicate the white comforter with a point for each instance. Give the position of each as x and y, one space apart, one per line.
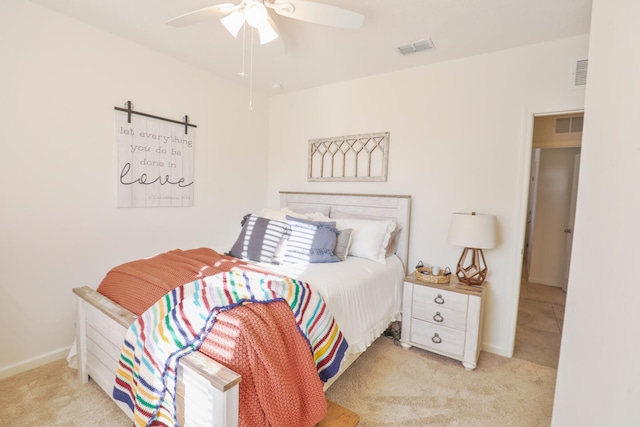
364 296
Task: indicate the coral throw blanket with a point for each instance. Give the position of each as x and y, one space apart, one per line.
277 341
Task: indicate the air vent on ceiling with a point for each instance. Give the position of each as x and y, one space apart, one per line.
416 46
580 72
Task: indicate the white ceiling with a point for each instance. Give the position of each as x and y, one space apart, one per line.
310 55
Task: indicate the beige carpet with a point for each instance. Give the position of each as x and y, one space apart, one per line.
387 386
390 386
52 396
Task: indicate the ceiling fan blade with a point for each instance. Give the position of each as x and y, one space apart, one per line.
317 13
201 15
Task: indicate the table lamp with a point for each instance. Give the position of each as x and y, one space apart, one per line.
474 232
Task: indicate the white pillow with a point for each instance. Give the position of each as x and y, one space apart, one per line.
280 214
392 244
318 216
369 238
312 209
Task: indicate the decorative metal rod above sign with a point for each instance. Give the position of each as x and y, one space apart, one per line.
129 111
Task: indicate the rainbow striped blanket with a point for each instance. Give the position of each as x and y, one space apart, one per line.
178 324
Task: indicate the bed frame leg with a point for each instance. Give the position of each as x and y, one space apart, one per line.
81 343
203 403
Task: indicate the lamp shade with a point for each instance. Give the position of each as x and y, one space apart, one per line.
472 230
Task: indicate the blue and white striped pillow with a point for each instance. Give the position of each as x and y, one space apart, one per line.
259 239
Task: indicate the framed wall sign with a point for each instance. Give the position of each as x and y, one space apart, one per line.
155 160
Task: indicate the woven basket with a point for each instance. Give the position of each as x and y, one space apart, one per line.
424 274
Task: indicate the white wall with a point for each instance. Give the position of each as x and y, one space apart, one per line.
555 177
599 375
460 141
60 81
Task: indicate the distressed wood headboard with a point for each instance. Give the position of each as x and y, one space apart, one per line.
395 207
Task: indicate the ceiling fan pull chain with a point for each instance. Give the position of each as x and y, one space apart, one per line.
244 54
251 75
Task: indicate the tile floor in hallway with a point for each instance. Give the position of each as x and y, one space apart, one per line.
539 328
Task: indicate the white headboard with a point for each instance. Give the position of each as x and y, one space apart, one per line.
397 208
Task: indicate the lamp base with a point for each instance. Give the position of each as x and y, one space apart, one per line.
471 271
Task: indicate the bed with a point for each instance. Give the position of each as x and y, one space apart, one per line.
207 391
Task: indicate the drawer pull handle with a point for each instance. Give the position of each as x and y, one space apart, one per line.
438 317
438 299
436 338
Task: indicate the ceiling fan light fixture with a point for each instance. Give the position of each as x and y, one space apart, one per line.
255 14
233 22
266 32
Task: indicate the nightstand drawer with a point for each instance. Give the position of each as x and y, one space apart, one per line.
451 300
439 315
437 338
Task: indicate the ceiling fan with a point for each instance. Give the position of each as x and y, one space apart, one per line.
255 13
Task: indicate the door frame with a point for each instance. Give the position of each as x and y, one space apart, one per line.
572 217
531 205
527 150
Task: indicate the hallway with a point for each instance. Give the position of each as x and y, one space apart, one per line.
539 328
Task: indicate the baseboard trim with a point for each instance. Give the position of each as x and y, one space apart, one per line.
35 362
546 282
500 351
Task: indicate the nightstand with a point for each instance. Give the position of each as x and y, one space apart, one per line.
443 318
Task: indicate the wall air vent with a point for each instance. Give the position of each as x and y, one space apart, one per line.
569 124
417 46
580 72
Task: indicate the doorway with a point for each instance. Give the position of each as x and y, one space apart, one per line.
551 215
548 236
